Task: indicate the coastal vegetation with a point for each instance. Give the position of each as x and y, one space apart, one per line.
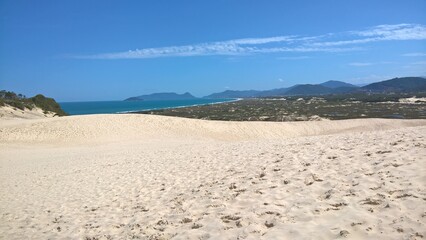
21 102
305 108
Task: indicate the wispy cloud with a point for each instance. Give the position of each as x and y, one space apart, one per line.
341 42
294 58
381 33
416 68
365 64
395 32
360 64
416 54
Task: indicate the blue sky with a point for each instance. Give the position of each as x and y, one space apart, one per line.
111 50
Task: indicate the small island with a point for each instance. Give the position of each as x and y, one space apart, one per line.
162 97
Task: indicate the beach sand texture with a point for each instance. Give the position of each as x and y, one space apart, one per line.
154 177
12 113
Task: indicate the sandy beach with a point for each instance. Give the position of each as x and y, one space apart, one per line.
155 177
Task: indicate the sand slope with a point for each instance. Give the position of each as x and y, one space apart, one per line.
118 128
153 177
11 113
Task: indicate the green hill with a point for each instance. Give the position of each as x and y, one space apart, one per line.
337 84
309 89
21 102
235 94
405 84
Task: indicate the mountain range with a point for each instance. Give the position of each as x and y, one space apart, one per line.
405 84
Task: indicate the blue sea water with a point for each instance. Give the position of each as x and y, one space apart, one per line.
82 108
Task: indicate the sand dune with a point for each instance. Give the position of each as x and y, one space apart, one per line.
11 113
154 177
110 127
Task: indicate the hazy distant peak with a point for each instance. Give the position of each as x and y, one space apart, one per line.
404 84
336 84
162 96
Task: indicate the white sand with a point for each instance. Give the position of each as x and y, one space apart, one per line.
13 115
153 177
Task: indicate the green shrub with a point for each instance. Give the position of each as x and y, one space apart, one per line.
47 104
16 104
19 101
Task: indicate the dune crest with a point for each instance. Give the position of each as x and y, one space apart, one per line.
112 127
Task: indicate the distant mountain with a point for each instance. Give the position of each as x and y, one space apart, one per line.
337 84
328 87
309 89
300 89
340 90
248 93
405 84
235 94
162 96
275 92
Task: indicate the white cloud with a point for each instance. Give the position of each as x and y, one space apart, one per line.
278 44
395 32
381 33
280 80
365 64
254 41
360 64
345 42
416 54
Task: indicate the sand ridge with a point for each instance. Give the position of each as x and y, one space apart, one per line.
113 127
151 177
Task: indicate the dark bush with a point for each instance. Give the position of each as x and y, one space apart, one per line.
19 101
47 104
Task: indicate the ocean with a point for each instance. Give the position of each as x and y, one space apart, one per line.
83 108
